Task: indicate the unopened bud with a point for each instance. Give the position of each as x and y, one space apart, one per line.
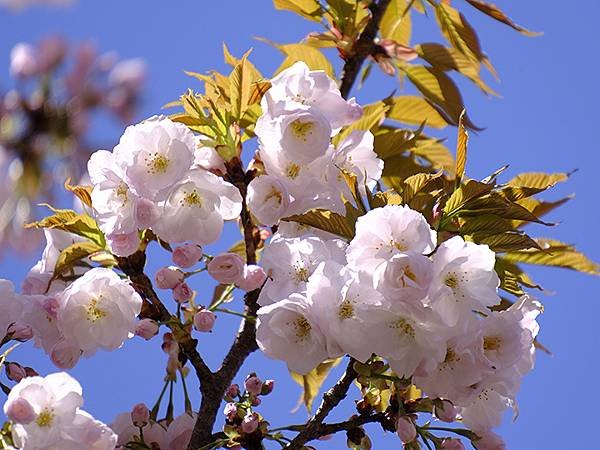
65 355
20 332
182 292
140 415
452 444
31 372
146 329
230 411
186 255
406 429
168 277
253 385
445 411
267 387
489 441
255 401
250 423
227 268
15 372
253 278
204 320
232 391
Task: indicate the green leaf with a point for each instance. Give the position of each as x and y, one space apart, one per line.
557 254
312 56
327 221
240 87
309 9
462 142
467 191
513 278
436 153
415 110
72 222
373 115
390 142
538 180
416 183
396 23
439 89
83 193
504 242
539 208
311 382
494 12
74 254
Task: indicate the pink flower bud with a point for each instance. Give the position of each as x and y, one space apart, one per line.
250 423
267 387
30 372
445 411
146 329
253 385
264 234
168 277
230 411
35 283
15 371
169 345
23 61
182 292
254 277
232 391
489 441
20 332
123 244
227 268
204 320
65 355
146 213
52 50
173 364
186 255
406 429
255 401
20 411
452 444
140 415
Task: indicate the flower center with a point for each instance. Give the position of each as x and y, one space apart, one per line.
404 328
274 193
94 312
400 246
302 130
45 418
157 163
191 199
302 328
121 192
451 281
301 273
346 310
293 171
492 343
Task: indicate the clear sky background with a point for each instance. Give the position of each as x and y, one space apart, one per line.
547 119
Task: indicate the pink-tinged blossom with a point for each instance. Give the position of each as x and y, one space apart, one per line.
20 411
23 61
288 331
123 244
89 433
464 280
182 292
204 320
186 255
54 400
250 423
140 415
196 208
207 158
253 385
268 199
98 311
180 430
146 213
65 355
155 155
489 440
230 411
41 314
445 411
387 231
300 87
226 268
154 433
10 306
168 277
451 444
253 278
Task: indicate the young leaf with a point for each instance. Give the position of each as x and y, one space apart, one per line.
240 87
327 221
494 12
83 193
461 147
73 254
373 115
309 9
396 23
311 382
414 110
468 191
538 180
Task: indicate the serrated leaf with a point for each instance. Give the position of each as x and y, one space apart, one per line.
466 192
436 153
494 12
504 242
416 183
513 278
557 254
415 110
391 142
459 33
72 255
538 180
240 87
439 89
72 222
462 142
495 203
83 193
485 223
539 208
326 221
311 382
222 293
309 9
396 22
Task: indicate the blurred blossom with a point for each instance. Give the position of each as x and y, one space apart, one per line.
18 5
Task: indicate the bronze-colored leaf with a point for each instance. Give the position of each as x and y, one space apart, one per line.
494 12
311 382
83 193
461 147
414 110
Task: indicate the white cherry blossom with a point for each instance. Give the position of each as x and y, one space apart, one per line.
10 307
154 433
268 199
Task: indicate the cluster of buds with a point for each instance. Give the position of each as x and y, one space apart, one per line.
230 268
16 372
174 278
174 363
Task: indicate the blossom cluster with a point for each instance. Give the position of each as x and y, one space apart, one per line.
155 179
302 111
46 413
393 292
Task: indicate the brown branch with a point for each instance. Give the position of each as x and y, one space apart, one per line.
364 46
245 341
331 399
133 267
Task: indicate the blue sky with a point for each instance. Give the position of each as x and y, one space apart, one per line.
546 120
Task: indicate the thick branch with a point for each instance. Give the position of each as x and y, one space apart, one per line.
133 267
364 46
245 341
331 399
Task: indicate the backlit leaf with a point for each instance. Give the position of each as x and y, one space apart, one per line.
461 148
326 221
538 179
311 382
83 193
494 12
396 22
309 9
414 110
74 254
